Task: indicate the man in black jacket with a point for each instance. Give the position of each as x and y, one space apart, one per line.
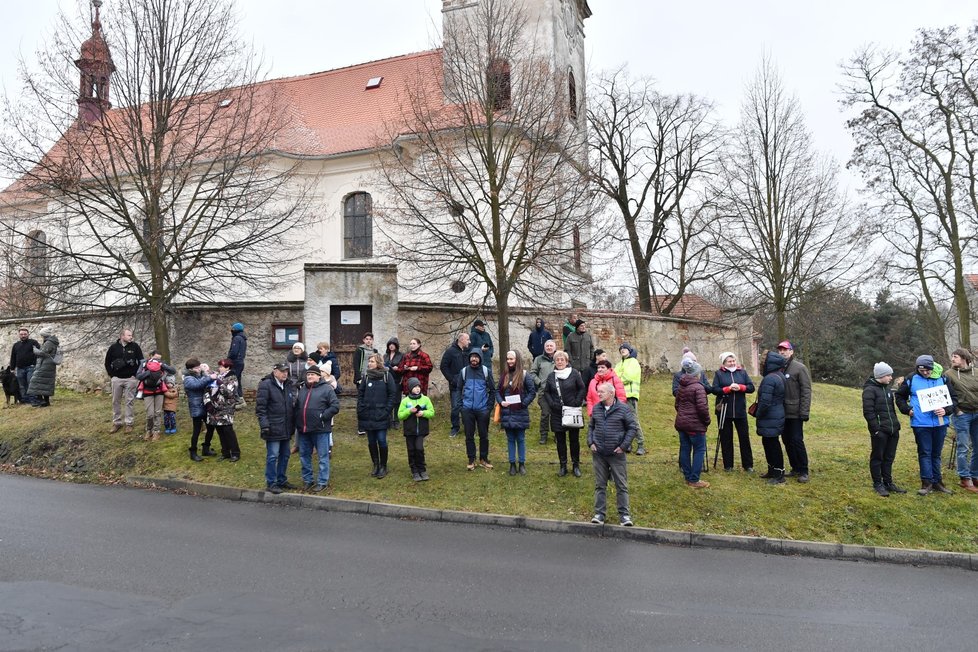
609 436
122 361
884 429
455 359
22 361
275 409
315 407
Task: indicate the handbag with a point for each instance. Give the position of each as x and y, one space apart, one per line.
570 416
752 410
496 414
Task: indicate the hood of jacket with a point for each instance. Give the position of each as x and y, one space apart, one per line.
773 362
292 357
542 327
687 379
470 354
631 350
240 334
395 342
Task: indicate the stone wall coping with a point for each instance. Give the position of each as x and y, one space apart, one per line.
385 268
764 545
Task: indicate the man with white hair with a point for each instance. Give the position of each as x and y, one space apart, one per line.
610 432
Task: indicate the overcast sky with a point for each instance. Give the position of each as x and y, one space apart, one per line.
709 47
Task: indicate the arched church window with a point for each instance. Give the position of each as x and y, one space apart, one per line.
357 226
572 95
35 256
498 84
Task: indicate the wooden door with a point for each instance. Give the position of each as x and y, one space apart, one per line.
347 324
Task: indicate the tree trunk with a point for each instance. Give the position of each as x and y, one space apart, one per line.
502 311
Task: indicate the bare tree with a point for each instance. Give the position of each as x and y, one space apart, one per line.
916 135
176 194
486 184
781 222
651 153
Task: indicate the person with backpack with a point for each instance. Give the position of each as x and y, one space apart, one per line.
928 419
416 412
476 387
514 395
152 388
884 429
377 394
770 416
48 357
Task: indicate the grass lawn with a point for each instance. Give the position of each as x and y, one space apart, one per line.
70 441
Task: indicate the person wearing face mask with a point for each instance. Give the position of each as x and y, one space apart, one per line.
514 394
416 412
731 384
416 364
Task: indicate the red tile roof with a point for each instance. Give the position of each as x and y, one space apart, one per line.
691 306
973 279
328 113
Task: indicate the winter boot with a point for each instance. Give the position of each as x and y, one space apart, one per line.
543 438
207 452
512 468
563 470
939 486
382 471
577 470
776 476
925 488
968 485
420 463
194 456
522 468
375 458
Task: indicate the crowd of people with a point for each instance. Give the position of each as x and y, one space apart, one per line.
297 401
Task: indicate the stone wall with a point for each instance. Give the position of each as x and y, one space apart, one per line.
204 332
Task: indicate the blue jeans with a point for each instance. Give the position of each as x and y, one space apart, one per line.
516 439
456 409
378 437
966 430
276 461
24 380
930 444
319 441
692 446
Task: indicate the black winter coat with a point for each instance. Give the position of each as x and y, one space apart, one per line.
275 409
22 354
122 360
879 409
315 408
516 416
612 428
572 390
736 401
238 350
452 362
376 397
770 398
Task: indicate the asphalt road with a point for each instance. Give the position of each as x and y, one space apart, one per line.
103 568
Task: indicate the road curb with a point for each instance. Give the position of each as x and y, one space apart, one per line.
785 547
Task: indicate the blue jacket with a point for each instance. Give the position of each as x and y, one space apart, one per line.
736 401
239 347
538 337
770 397
275 409
516 416
476 383
195 386
907 399
612 428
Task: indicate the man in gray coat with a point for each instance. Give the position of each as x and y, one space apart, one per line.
542 365
609 436
797 405
580 346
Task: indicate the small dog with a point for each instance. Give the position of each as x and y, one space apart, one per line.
11 388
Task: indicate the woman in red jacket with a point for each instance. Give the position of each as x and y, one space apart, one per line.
415 364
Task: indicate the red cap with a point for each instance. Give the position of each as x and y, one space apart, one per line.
786 345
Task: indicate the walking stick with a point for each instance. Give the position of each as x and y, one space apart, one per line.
952 454
723 415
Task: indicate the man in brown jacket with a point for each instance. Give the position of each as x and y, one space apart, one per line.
962 378
797 405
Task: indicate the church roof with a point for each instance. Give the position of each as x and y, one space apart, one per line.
329 113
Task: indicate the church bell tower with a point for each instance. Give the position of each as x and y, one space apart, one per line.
96 68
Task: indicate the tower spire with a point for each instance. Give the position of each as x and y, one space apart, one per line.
96 68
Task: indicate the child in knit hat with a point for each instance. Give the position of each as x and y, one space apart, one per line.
416 411
884 429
